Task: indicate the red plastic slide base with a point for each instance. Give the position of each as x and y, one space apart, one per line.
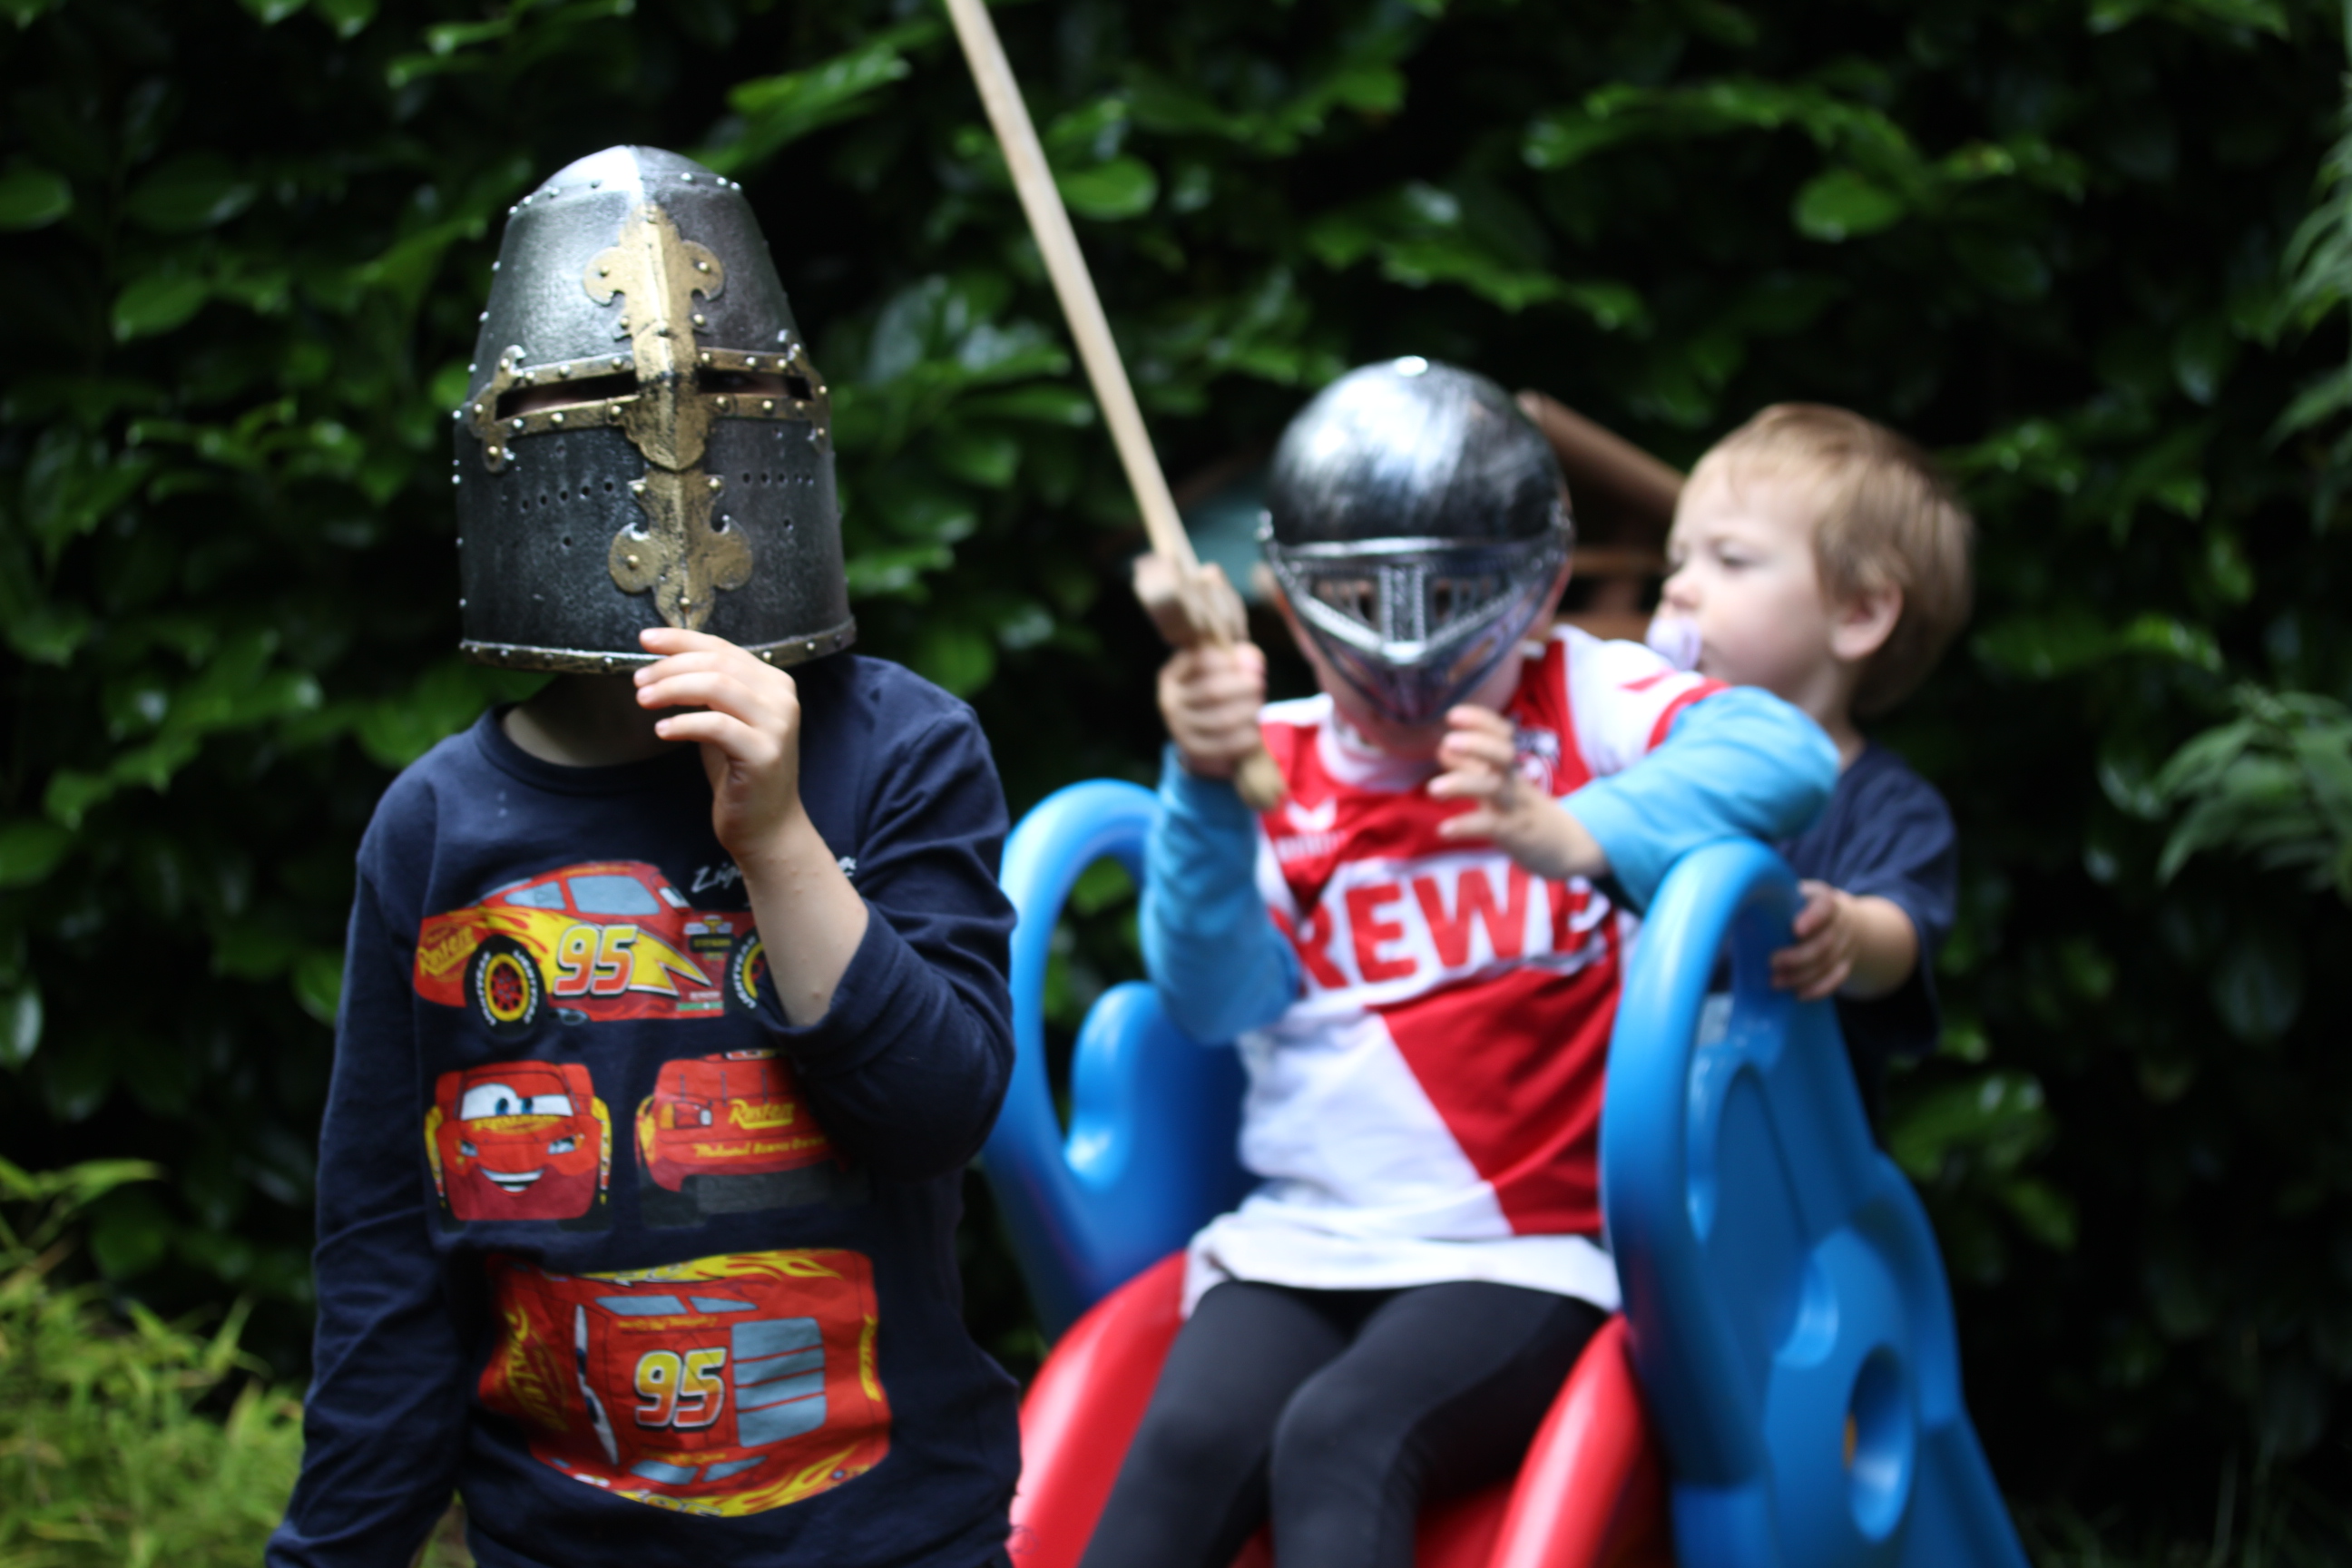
1590 1495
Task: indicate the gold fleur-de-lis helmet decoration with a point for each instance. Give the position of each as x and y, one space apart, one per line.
645 440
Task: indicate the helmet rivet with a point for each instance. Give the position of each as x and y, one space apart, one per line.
637 487
699 321
494 266
705 355
726 406
457 479
631 560
469 367
702 267
461 604
483 317
688 178
520 425
604 272
555 418
767 405
619 363
683 601
718 483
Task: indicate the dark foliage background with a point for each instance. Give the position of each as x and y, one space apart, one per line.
245 248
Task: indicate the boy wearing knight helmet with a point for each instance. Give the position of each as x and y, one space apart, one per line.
675 1001
1418 955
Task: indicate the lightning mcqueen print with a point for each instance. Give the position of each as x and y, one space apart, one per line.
608 939
724 1386
518 1140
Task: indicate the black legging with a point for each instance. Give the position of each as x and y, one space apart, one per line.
1336 1411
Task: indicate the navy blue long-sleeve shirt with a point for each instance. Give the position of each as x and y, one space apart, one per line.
605 1243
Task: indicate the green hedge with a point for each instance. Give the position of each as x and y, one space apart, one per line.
249 243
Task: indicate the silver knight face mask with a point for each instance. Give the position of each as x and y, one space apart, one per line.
1416 523
643 441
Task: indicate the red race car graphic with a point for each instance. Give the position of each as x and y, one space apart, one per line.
740 1114
724 1386
609 940
518 1140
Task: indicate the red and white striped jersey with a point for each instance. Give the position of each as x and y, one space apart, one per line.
1430 1106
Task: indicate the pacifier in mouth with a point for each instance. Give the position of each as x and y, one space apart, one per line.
1676 639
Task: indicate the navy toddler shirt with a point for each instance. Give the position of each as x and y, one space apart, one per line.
1886 834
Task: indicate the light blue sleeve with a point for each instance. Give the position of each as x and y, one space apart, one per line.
1213 953
1739 764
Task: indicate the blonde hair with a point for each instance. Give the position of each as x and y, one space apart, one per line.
1884 517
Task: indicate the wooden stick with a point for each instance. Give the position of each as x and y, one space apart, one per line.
1598 458
1041 199
1189 605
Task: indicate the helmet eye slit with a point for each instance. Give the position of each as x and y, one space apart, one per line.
521 400
747 384
1358 598
1458 599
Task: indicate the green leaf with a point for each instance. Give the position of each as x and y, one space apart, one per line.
396 731
157 304
1845 204
2257 988
2041 1211
348 18
1120 188
71 793
957 658
895 573
49 633
1045 405
986 457
130 1234
317 982
1101 886
20 1027
193 191
775 111
2202 353
30 849
2045 646
32 197
1997 1119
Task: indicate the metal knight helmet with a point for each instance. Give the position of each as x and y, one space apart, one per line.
1417 524
644 440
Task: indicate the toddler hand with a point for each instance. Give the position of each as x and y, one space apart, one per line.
1481 764
1828 937
748 723
1210 698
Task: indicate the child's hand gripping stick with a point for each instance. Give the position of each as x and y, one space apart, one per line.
1195 606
